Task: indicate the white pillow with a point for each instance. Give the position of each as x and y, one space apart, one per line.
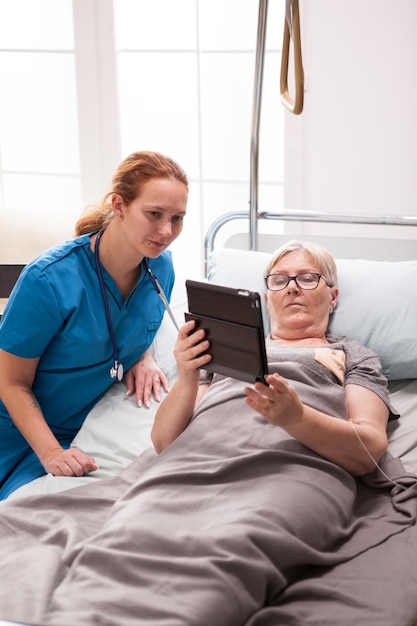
377 302
378 307
242 269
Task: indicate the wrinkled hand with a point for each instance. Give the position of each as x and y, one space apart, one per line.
71 462
144 378
278 402
188 350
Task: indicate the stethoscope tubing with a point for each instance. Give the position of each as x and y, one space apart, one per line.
117 370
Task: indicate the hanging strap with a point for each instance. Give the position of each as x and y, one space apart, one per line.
292 31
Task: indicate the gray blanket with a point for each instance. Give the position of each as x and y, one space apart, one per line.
235 524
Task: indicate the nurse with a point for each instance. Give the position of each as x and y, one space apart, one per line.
83 315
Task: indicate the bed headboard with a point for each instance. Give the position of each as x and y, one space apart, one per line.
377 249
378 237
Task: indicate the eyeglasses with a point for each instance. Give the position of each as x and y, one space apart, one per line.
306 280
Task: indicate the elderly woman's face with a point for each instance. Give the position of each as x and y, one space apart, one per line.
294 310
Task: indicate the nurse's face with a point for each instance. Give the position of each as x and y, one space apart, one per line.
155 219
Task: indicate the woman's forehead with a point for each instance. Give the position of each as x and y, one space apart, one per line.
299 260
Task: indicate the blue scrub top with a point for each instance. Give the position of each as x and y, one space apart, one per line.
56 312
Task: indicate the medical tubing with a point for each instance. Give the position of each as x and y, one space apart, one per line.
359 438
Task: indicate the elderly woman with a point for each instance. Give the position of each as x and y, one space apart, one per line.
251 500
316 377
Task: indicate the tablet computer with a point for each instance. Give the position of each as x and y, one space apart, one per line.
232 319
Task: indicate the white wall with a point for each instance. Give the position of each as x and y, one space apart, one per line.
354 148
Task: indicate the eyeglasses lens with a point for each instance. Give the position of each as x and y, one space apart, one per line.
277 282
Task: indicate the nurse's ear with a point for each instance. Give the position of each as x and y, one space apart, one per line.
117 204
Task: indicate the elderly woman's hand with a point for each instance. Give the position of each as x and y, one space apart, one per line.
277 402
189 350
175 412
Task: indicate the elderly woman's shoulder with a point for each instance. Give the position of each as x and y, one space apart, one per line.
353 348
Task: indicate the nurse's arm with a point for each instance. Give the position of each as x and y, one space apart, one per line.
17 376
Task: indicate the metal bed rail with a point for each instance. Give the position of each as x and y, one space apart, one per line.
300 216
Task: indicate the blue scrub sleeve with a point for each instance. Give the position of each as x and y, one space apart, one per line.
32 316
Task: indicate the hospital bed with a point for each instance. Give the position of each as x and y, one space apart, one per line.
377 306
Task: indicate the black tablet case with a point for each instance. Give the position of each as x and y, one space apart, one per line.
232 319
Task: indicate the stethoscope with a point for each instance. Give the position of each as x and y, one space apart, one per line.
117 370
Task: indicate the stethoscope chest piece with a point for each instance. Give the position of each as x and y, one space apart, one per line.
117 371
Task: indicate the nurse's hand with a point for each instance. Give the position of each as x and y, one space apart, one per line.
144 378
71 462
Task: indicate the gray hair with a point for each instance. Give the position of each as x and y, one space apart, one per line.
320 255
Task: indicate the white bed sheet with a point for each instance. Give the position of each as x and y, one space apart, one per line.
115 432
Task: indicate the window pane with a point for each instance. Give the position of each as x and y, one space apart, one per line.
36 25
38 119
43 194
226 115
159 109
156 25
230 25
